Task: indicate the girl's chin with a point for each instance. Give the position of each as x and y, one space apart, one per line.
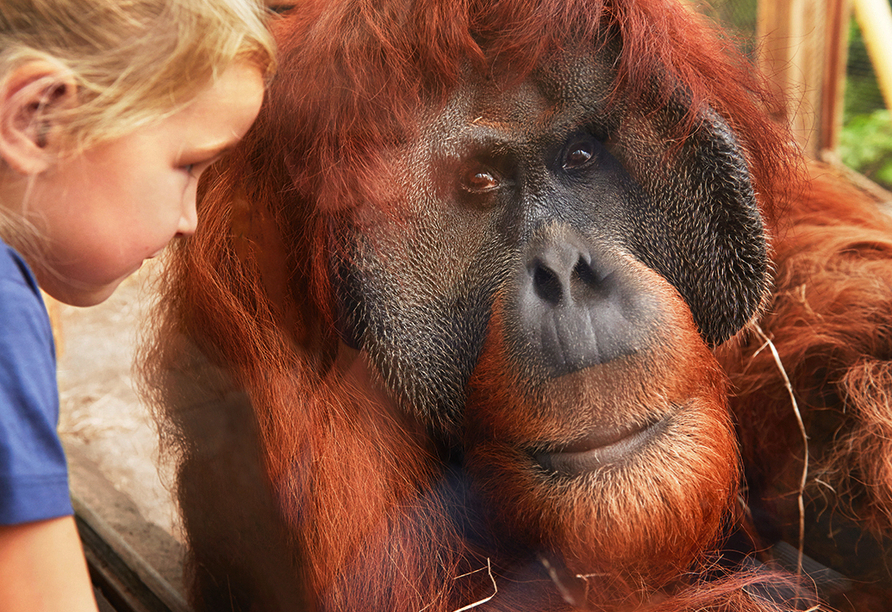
79 294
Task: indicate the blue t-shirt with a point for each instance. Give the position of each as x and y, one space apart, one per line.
33 471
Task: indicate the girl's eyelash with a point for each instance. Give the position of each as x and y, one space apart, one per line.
201 165
190 168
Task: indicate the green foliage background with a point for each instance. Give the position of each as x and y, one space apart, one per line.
866 139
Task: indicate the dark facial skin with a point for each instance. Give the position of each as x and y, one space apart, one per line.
542 292
539 193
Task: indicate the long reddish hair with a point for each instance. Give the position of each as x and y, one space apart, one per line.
250 292
829 322
349 86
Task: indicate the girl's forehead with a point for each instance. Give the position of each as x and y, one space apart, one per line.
221 114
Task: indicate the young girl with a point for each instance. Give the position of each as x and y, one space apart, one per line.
109 112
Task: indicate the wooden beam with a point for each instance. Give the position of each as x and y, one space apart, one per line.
834 78
792 40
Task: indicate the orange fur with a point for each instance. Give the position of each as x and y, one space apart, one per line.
304 482
830 322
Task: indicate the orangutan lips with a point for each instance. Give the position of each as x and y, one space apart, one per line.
600 448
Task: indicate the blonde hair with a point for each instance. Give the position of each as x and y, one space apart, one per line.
133 61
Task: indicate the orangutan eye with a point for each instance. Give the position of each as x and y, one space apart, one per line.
480 180
579 154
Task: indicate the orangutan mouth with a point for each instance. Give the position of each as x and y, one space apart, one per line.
600 448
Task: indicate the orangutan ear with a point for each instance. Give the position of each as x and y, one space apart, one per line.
30 96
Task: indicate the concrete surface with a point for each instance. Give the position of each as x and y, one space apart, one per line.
108 433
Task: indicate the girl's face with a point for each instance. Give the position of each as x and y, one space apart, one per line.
101 213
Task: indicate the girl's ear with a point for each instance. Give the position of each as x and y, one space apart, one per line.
30 95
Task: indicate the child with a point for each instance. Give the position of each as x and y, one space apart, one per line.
109 112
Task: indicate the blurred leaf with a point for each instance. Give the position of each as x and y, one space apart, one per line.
866 145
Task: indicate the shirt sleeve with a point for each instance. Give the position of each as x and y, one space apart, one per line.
33 470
